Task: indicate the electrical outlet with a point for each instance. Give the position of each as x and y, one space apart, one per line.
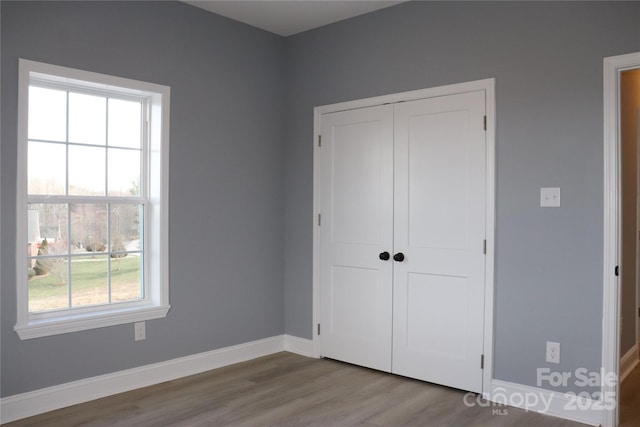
140 331
553 352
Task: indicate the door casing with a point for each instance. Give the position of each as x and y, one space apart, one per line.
488 85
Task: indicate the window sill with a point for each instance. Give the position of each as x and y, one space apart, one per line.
81 322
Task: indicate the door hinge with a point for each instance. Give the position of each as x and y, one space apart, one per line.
319 140
485 122
482 361
319 220
318 328
484 247
617 271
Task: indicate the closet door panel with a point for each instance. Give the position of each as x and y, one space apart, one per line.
356 206
440 228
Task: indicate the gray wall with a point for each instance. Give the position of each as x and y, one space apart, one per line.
547 61
226 193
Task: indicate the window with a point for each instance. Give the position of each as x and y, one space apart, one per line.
91 200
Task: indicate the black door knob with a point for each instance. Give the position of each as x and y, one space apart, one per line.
398 257
384 256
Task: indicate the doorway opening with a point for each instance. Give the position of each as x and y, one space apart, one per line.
617 164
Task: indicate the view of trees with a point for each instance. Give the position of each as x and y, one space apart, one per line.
90 226
87 236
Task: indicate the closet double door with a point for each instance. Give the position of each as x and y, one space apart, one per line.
402 238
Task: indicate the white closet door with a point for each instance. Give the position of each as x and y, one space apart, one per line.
356 188
438 307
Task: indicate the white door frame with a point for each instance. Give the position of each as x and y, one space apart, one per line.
488 85
611 284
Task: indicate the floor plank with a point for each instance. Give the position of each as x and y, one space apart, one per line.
630 399
284 390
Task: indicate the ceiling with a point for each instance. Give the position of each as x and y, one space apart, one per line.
287 17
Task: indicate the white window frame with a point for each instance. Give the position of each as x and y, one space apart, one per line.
156 272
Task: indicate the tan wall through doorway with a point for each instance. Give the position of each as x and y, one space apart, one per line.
630 105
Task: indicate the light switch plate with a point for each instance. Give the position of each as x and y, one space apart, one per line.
550 197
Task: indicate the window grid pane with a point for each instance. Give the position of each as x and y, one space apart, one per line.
47 164
47 114
86 169
87 119
124 123
124 171
49 291
89 280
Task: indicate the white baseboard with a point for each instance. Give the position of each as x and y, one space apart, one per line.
48 399
547 402
301 346
628 362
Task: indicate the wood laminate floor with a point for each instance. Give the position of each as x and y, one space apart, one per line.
630 399
286 389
